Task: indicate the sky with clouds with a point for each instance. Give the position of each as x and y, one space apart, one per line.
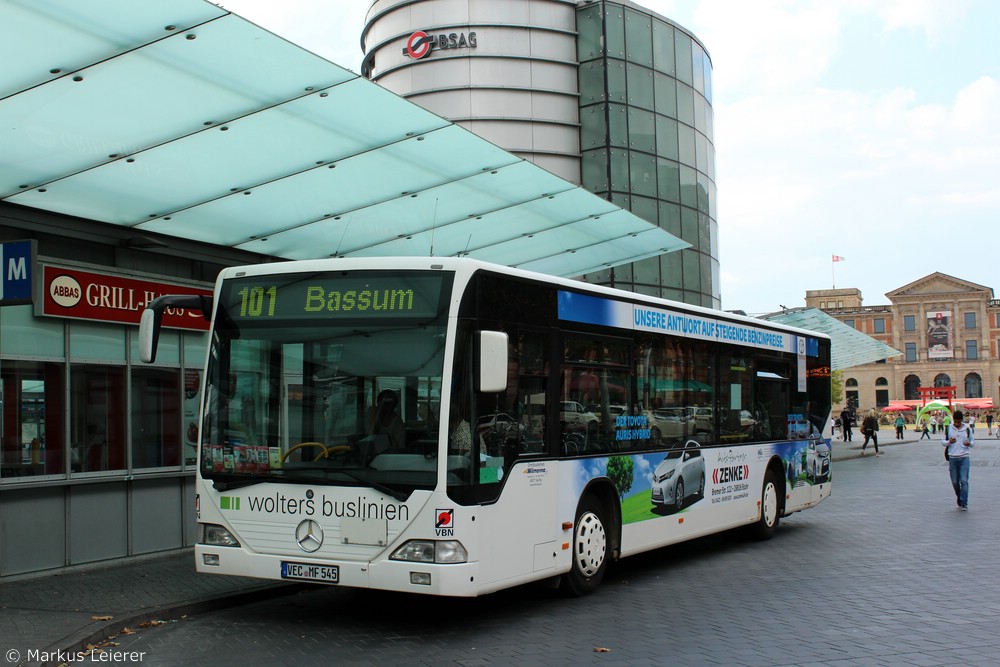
866 129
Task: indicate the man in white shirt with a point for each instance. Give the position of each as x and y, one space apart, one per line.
958 439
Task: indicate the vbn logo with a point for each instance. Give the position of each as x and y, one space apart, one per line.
444 523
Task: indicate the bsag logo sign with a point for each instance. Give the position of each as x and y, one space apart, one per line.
420 44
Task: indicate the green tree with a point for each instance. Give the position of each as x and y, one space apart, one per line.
620 471
837 387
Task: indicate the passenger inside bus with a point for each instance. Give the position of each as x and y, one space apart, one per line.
384 420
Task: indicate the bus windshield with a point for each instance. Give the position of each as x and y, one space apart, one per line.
326 378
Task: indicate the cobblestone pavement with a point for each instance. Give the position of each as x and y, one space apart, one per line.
885 572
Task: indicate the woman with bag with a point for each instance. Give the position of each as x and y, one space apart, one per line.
957 440
869 427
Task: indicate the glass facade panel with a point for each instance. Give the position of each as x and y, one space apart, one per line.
593 130
97 414
588 25
704 234
691 260
618 125
670 217
666 137
682 55
642 130
33 400
594 171
685 104
686 145
703 188
195 349
591 78
156 417
668 174
665 94
689 228
21 333
647 272
697 67
701 152
640 86
643 174
638 41
700 113
96 341
616 81
663 47
614 26
689 187
646 208
619 170
706 66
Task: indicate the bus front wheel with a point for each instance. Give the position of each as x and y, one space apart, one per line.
590 548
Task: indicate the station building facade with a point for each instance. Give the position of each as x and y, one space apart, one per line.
97 456
947 328
602 93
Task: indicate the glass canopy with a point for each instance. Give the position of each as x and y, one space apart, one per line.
183 119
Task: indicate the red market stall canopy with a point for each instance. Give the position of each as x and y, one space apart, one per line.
964 404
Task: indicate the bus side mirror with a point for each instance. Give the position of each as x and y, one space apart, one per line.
491 348
152 318
149 334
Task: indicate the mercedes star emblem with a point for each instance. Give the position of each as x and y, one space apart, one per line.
309 536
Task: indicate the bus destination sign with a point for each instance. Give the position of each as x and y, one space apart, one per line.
298 296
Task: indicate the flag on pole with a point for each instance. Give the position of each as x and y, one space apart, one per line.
838 258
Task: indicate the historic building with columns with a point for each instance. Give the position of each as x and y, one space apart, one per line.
948 330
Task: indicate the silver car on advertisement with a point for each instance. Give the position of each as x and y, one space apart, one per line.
679 476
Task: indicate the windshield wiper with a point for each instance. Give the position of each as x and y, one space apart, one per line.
389 491
230 483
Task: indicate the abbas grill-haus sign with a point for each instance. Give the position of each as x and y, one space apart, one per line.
103 297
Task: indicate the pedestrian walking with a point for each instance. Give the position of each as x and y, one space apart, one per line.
900 424
957 441
925 433
869 428
971 421
989 424
845 424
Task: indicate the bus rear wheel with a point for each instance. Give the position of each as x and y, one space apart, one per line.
770 510
590 548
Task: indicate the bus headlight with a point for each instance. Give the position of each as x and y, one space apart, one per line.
217 536
431 551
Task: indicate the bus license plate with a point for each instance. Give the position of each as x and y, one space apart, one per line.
328 574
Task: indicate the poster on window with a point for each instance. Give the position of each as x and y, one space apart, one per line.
940 342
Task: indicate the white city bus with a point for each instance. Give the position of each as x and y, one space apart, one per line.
451 427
